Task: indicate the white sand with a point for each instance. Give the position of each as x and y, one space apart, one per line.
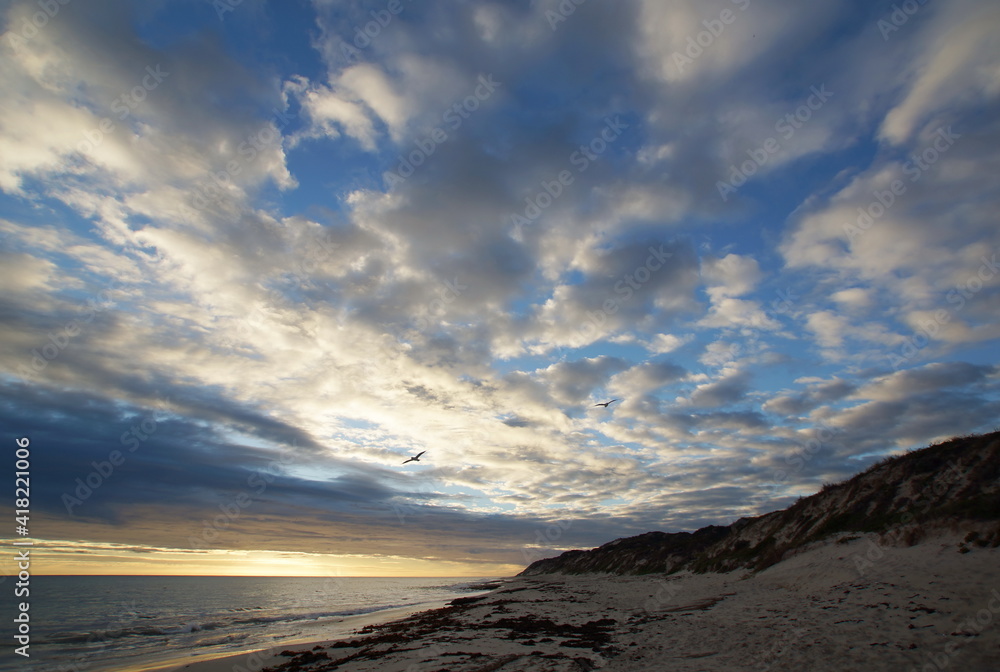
853 606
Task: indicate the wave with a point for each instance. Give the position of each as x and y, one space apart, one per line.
319 615
224 640
190 626
100 636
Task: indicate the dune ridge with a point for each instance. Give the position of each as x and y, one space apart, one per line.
944 487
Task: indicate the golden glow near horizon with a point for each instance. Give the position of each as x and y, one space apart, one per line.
57 557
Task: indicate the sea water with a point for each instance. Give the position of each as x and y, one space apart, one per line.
100 623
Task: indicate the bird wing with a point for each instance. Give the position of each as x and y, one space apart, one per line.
409 460
421 453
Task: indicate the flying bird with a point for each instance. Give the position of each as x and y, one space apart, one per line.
416 458
606 403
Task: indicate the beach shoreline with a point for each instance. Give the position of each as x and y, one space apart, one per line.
257 658
835 606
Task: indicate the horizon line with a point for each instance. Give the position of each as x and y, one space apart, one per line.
277 576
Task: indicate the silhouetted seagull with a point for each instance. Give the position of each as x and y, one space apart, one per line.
606 403
416 458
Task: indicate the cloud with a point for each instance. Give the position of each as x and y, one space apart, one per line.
664 343
573 382
961 61
731 388
732 275
328 111
231 258
641 285
647 378
932 377
854 298
817 394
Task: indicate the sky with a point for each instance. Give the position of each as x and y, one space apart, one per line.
256 254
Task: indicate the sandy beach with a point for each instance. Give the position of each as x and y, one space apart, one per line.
855 605
258 658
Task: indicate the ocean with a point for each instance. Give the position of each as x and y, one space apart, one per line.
111 623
